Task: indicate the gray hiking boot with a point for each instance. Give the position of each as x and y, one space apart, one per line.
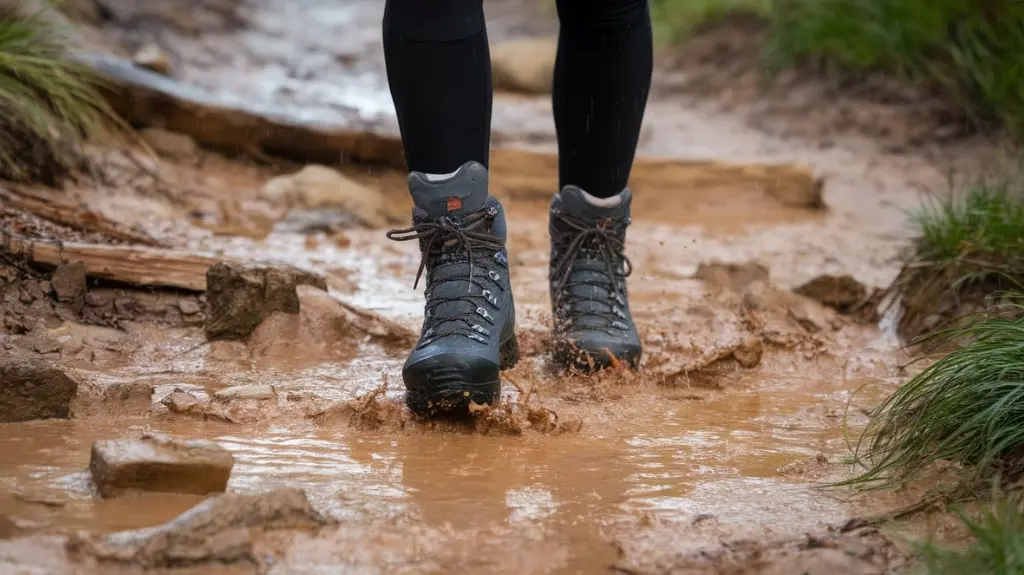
468 332
592 321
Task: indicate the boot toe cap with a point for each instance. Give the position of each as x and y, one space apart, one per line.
441 380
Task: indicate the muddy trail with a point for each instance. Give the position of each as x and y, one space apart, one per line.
249 302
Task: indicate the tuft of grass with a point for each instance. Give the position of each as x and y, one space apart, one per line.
966 408
675 20
988 219
968 246
970 49
48 102
997 547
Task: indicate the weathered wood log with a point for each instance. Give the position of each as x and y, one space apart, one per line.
134 265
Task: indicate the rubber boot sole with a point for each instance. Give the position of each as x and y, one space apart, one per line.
448 394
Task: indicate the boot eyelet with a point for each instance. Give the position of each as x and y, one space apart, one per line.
494 275
490 298
476 337
483 313
481 329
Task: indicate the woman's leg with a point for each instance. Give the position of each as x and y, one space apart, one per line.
439 71
602 79
440 75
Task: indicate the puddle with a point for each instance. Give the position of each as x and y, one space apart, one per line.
675 460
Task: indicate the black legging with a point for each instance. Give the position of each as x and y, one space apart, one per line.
439 71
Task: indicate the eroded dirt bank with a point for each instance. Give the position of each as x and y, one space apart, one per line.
703 462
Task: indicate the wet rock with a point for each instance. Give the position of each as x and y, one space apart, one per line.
247 392
189 306
317 187
33 388
839 292
240 297
220 530
69 285
783 304
171 145
180 401
748 353
525 65
152 57
158 463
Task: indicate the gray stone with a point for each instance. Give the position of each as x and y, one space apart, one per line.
158 463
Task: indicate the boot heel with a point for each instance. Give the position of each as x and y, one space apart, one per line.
509 352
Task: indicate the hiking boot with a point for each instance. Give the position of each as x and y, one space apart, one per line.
593 327
468 332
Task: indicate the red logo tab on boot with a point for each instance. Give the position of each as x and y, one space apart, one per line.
454 204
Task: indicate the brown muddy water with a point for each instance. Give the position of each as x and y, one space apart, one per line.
694 444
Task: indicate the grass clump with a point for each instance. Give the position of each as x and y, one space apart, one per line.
969 246
674 20
968 50
48 102
997 547
966 408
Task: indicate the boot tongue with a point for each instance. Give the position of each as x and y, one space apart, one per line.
453 195
581 205
590 283
458 194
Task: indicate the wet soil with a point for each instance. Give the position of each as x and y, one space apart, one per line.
707 460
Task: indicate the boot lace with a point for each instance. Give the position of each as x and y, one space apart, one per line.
457 242
601 241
